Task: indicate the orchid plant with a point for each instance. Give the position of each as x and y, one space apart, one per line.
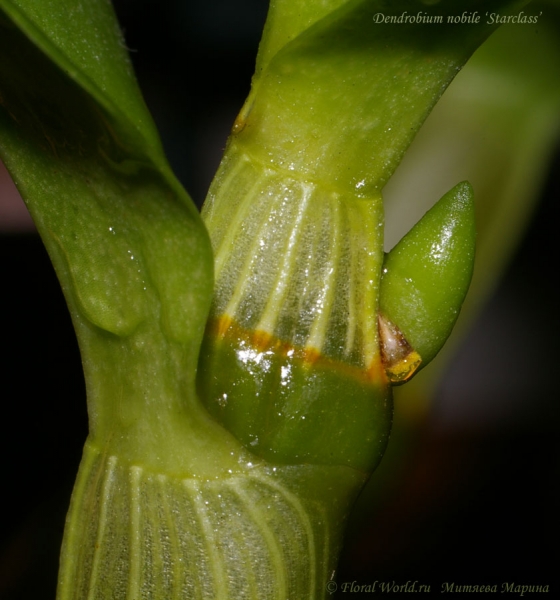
239 365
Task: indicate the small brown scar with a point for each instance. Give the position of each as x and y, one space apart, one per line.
399 358
239 124
241 120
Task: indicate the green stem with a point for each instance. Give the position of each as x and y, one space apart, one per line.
133 532
243 493
297 285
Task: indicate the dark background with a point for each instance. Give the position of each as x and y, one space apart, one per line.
465 501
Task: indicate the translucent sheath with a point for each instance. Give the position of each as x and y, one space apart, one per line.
294 320
135 533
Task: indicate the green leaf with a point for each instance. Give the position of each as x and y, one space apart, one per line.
84 40
341 101
128 245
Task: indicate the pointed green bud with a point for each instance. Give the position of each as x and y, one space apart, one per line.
425 280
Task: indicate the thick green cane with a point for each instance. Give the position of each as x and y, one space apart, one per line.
243 493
